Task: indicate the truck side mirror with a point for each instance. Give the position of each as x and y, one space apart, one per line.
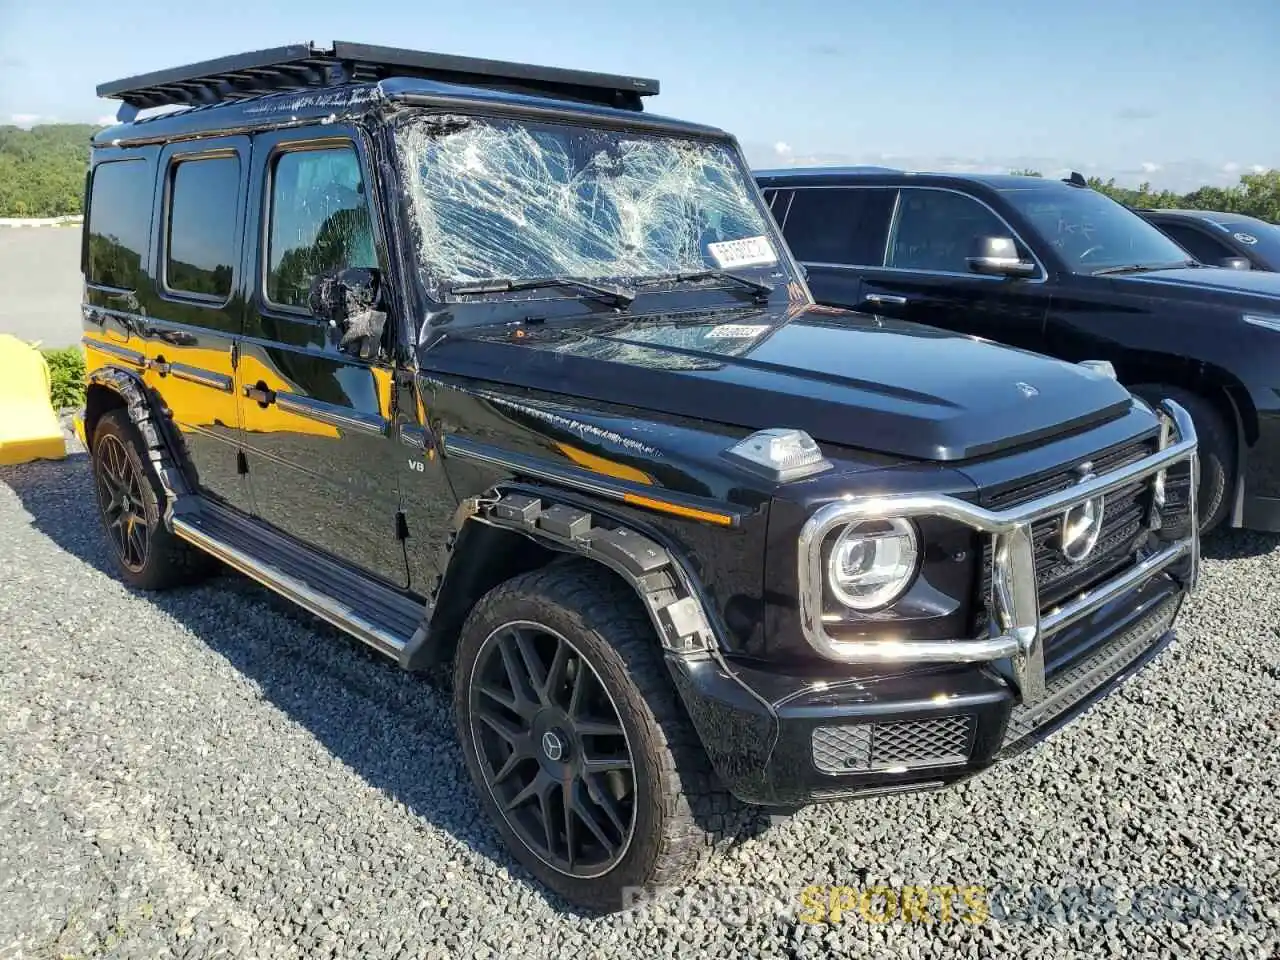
351 302
998 256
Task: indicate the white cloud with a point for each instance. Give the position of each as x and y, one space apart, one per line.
23 119
1258 168
1149 167
782 148
1230 167
107 120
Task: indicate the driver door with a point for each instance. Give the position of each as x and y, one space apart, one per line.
317 420
926 278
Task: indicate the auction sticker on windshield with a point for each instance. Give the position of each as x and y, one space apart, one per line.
747 252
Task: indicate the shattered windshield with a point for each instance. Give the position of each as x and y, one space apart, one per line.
497 199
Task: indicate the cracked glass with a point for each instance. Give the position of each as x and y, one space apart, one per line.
496 199
320 221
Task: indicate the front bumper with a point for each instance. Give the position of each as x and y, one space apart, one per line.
925 714
782 741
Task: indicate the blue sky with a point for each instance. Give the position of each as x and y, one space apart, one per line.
1177 92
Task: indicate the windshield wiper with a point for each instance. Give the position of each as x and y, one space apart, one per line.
1142 267
614 295
759 291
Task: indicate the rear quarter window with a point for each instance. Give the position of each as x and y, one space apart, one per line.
118 224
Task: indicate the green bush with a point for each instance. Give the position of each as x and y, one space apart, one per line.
66 376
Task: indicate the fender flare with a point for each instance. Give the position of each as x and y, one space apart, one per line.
152 423
661 581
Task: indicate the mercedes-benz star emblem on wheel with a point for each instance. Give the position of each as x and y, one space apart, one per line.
1081 526
552 746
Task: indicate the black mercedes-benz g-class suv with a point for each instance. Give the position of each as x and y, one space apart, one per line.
496 372
1059 268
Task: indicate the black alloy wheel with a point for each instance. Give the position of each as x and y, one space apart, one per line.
552 749
124 509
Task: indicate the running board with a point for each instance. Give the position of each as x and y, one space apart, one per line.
346 598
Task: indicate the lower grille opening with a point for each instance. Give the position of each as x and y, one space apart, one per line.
900 745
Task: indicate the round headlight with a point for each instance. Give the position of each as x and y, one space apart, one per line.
872 562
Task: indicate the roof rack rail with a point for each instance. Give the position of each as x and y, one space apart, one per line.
301 65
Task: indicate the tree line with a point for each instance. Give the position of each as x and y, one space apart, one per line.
42 169
1256 195
42 175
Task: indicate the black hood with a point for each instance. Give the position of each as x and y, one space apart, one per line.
847 378
1253 288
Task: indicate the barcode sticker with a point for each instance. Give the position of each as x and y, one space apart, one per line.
747 252
736 331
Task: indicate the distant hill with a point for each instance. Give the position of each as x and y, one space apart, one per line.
42 169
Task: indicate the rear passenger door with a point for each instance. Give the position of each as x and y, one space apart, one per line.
925 276
837 233
317 421
192 311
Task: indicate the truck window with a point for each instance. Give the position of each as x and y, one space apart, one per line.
1204 248
201 233
842 225
936 229
118 223
319 221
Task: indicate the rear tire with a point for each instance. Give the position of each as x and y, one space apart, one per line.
130 503
1216 449
661 814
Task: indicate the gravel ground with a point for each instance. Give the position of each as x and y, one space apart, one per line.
210 773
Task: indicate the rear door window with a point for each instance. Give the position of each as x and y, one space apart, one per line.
200 242
840 225
119 223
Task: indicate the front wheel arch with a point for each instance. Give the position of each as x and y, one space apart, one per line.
504 534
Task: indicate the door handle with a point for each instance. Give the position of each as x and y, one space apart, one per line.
885 300
260 395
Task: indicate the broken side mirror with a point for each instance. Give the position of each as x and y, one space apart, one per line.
998 256
351 302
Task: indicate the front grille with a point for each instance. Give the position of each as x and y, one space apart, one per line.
1124 525
1074 684
864 747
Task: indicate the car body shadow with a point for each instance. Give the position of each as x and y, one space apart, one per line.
393 728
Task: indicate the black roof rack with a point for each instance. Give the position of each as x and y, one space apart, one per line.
302 65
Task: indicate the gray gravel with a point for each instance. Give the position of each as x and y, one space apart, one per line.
211 773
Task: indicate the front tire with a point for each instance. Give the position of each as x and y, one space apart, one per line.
148 556
1216 449
575 741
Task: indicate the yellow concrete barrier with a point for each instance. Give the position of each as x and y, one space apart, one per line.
29 428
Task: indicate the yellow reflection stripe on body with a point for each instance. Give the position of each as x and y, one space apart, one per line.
603 466
693 513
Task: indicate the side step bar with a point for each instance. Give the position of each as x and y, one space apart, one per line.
364 608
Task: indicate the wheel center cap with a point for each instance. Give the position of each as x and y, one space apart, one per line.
553 746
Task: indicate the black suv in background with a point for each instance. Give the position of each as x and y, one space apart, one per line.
498 373
1221 239
1058 268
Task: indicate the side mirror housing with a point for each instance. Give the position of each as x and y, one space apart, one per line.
998 257
351 302
1235 263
